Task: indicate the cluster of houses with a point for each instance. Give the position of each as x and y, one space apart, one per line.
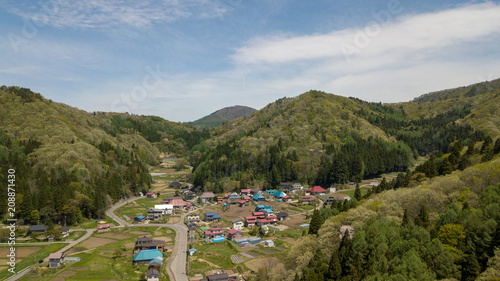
149 251
168 207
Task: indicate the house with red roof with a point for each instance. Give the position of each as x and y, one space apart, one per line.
178 203
316 190
287 198
234 233
150 195
306 200
245 191
242 203
259 215
250 221
217 232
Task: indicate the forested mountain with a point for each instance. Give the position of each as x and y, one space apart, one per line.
222 115
440 221
71 163
320 138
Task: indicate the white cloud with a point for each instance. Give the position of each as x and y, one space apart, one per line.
90 14
402 35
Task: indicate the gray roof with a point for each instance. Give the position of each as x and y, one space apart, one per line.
64 229
38 228
236 220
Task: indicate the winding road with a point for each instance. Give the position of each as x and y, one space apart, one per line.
176 265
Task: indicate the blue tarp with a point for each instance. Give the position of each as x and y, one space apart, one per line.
219 239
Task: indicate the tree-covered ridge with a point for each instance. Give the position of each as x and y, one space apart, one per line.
461 92
423 135
444 228
74 164
326 139
314 138
167 136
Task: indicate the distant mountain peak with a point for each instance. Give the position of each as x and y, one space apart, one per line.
220 116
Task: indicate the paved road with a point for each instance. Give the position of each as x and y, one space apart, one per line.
69 246
176 265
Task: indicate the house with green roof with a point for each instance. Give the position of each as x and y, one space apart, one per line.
146 256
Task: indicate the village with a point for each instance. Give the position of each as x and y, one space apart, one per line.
230 235
233 234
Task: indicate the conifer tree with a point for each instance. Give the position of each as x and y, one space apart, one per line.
496 148
316 222
334 269
423 218
470 267
406 218
357 193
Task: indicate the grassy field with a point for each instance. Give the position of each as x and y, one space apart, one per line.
108 256
212 256
350 192
44 252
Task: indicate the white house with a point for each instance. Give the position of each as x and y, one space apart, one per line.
168 209
193 218
238 224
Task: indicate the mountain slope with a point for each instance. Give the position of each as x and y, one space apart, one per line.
74 163
313 138
222 115
321 137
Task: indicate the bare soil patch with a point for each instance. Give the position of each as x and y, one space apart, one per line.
158 233
67 274
295 220
73 251
166 239
266 251
139 232
174 219
115 235
289 240
256 264
21 252
95 242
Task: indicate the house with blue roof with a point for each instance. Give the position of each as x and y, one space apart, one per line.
279 194
259 207
146 256
211 217
271 192
259 197
139 219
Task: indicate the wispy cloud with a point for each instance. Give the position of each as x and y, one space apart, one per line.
403 35
93 14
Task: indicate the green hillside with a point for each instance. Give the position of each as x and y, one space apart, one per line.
73 163
221 116
320 138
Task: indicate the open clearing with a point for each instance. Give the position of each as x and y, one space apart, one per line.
21 252
95 242
139 232
256 264
166 239
115 235
66 274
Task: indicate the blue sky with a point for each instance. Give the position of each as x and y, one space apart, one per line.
184 59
